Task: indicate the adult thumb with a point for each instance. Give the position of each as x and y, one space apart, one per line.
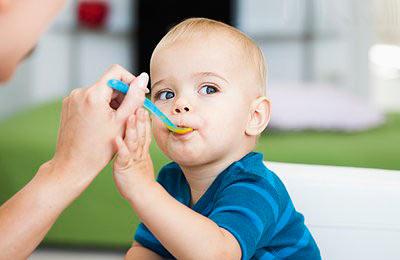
135 96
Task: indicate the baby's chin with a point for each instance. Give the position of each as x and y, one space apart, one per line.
187 158
188 152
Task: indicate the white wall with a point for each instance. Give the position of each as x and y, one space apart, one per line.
67 58
340 34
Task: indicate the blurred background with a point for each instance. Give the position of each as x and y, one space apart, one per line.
333 78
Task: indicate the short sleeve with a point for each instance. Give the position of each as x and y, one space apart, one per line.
148 240
247 209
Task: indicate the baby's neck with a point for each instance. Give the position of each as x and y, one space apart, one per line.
200 177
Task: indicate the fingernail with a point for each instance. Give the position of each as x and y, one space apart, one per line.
143 79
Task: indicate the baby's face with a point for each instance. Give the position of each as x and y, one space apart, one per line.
201 83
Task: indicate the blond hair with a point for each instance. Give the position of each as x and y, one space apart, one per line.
192 26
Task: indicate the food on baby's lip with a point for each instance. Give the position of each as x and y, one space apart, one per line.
180 130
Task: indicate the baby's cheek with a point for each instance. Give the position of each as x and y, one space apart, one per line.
226 130
214 134
221 123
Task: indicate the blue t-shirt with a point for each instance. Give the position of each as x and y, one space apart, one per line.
249 201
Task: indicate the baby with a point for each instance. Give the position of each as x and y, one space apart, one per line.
216 200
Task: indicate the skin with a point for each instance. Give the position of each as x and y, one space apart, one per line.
226 126
21 24
90 121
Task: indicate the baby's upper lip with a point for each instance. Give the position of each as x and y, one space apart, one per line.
184 124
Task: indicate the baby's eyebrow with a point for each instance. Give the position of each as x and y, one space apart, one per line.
156 83
198 74
212 74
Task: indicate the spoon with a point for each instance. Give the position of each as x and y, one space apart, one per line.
123 88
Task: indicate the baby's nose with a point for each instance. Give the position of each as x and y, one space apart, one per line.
182 109
181 106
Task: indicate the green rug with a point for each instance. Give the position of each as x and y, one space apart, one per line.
101 218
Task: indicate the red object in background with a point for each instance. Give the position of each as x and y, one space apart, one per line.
92 13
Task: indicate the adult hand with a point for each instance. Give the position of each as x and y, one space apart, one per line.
92 118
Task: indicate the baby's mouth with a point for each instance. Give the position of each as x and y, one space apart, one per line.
185 132
187 129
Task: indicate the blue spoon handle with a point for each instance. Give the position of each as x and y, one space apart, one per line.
123 88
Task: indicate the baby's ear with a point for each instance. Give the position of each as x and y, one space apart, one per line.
260 113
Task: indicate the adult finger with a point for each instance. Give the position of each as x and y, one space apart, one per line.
134 98
114 72
117 72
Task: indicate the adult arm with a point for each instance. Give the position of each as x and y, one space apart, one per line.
91 119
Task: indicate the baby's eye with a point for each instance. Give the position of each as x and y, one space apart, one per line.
208 89
164 95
